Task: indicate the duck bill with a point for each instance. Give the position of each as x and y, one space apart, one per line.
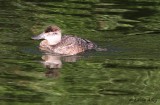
38 37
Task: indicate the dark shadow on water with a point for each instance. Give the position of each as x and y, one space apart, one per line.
130 2
22 98
16 77
44 0
61 6
114 65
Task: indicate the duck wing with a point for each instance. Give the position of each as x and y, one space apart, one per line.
72 45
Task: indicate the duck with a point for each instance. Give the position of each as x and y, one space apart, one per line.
54 42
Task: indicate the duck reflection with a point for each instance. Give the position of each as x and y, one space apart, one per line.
53 63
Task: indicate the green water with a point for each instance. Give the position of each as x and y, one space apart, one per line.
127 74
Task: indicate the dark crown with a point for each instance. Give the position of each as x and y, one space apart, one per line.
52 29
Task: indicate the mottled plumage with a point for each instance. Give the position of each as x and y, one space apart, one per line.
67 44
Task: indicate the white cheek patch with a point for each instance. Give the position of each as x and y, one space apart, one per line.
53 38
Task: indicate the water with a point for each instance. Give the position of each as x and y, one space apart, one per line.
127 74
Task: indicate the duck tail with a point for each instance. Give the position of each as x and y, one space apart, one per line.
100 49
91 45
95 47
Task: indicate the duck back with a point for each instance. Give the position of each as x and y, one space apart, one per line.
72 45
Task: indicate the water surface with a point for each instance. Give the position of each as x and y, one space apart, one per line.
128 73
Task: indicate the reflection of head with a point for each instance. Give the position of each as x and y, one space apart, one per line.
51 61
52 73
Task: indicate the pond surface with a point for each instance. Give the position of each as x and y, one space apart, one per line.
127 74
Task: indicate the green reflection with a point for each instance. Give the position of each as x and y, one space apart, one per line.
127 74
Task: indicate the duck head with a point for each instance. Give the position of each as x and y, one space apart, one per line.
52 34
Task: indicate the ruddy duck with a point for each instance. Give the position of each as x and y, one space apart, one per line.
56 43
